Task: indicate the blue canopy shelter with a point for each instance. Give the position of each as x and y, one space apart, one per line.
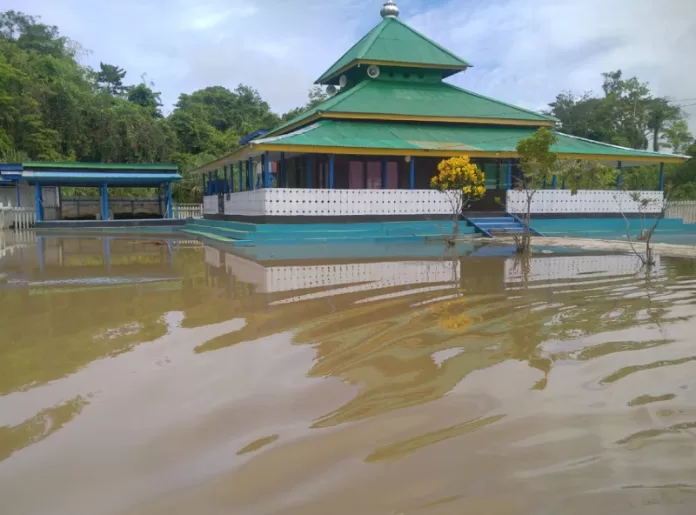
99 175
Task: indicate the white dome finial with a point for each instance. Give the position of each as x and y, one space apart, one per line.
389 9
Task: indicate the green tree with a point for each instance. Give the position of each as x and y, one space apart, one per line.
537 163
145 97
111 78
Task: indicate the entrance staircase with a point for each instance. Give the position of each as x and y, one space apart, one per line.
496 224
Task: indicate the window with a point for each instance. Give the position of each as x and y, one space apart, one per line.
356 175
374 175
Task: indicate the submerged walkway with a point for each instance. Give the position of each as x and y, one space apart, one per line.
666 249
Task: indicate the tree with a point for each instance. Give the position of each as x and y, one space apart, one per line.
537 163
111 78
146 98
462 182
315 97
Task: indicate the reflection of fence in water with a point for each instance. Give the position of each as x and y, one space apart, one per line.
10 241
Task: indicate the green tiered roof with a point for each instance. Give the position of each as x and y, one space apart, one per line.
441 140
393 42
421 99
407 109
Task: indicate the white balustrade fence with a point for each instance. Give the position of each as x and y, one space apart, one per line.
184 211
18 218
686 210
585 201
324 202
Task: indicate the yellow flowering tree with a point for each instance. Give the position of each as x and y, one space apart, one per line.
462 182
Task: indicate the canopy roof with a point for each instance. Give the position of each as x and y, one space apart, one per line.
90 174
395 43
131 178
416 101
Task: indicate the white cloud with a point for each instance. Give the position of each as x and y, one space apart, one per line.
527 51
523 51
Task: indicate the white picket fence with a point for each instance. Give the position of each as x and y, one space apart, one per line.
686 210
17 218
184 211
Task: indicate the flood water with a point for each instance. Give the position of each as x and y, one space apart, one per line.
165 377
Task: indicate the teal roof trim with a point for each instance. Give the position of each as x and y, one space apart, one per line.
62 177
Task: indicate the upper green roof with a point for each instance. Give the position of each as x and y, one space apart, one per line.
395 42
452 139
422 99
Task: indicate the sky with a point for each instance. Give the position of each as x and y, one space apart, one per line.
524 51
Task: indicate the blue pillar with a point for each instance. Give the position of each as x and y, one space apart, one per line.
619 177
39 202
105 202
554 182
225 185
310 166
250 173
169 201
19 197
412 173
332 160
241 175
205 186
217 182
283 179
384 173
266 170
509 174
662 177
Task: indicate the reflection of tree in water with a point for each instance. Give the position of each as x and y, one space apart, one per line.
40 426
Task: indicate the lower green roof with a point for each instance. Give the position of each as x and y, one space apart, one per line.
439 138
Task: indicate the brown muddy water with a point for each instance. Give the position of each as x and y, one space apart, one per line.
154 377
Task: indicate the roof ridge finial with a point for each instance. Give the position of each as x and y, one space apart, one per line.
389 9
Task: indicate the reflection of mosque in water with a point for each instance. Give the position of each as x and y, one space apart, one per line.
407 331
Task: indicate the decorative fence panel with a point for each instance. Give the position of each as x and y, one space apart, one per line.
18 218
184 211
686 210
585 201
325 202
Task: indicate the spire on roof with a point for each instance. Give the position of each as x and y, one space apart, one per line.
389 9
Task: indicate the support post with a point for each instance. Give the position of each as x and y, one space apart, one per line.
554 182
412 173
266 170
662 177
19 196
204 191
105 202
170 214
241 176
39 202
283 179
332 160
250 174
509 174
384 173
619 177
310 166
225 185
